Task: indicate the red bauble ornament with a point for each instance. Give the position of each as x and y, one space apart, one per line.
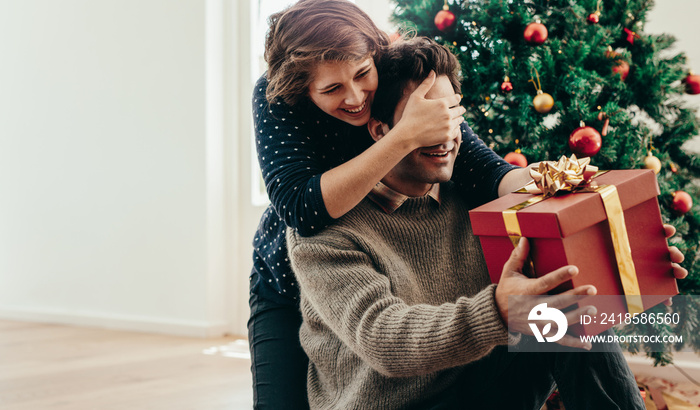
621 67
682 202
516 158
444 19
692 83
535 33
585 141
506 85
594 18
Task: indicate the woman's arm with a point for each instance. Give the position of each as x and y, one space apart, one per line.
515 179
479 171
344 186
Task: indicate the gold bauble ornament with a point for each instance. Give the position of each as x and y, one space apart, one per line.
543 102
652 163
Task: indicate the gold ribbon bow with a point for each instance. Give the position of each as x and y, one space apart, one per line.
564 175
572 174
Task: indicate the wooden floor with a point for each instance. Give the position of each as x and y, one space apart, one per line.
47 367
52 367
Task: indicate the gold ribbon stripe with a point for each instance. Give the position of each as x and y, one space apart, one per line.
621 244
511 219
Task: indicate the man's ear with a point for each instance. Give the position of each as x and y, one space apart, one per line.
377 129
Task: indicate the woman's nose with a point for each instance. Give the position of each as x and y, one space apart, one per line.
355 96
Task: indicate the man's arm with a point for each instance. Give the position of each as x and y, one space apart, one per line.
355 301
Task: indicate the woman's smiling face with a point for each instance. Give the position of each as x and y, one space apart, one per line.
345 89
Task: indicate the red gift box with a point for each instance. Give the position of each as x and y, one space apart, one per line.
572 229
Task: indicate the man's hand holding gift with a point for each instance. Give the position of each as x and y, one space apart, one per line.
514 284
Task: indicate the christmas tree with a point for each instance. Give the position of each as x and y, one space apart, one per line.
546 78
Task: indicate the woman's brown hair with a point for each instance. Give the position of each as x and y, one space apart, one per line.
310 32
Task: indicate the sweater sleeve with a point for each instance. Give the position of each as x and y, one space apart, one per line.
355 301
478 170
290 165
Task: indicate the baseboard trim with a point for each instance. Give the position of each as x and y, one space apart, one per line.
116 322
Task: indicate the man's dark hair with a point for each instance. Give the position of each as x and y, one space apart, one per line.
406 62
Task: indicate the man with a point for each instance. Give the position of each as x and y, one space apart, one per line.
398 308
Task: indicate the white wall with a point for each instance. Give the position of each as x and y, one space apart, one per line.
108 183
678 18
125 159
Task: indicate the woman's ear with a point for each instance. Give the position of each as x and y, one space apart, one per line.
377 129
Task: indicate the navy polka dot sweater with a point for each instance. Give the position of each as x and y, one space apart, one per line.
295 145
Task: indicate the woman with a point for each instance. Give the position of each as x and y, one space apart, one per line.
317 160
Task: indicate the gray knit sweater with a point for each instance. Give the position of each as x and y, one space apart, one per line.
393 304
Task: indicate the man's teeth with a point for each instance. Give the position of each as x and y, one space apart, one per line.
436 154
356 110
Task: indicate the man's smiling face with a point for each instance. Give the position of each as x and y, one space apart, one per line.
427 165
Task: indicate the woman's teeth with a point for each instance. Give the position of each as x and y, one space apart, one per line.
356 110
437 154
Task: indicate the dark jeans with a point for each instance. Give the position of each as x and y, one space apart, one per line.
523 380
278 363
